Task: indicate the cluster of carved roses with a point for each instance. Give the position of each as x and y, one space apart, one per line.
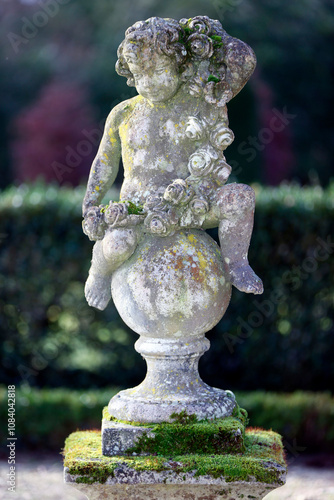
199 43
161 219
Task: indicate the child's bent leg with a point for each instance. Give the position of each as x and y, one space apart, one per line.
108 254
236 204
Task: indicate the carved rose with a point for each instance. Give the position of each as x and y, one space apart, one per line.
178 192
159 223
221 136
155 203
199 205
200 46
222 172
115 212
201 162
206 188
201 24
194 129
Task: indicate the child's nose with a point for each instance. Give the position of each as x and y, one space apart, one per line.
145 81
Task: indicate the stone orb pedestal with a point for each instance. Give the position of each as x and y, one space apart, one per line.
171 292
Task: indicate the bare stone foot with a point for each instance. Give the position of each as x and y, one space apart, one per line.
245 280
98 291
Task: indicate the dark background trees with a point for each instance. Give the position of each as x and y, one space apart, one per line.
71 45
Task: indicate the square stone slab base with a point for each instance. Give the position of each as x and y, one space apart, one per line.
227 491
224 435
252 474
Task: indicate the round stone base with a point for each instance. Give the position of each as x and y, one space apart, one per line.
210 403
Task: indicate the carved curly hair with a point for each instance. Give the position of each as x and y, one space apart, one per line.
164 35
199 46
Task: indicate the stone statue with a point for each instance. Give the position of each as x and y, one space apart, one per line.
169 280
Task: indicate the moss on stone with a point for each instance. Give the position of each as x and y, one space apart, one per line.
135 209
213 78
187 435
241 414
263 454
220 436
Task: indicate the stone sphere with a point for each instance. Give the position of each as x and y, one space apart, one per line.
172 287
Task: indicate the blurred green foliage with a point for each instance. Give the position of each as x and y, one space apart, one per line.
292 40
44 418
282 340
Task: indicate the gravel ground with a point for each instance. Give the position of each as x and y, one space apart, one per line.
39 477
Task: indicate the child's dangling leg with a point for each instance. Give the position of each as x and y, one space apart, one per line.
236 203
108 254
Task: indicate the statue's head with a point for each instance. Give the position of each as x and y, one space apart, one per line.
158 55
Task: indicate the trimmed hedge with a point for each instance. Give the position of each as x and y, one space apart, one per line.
44 418
282 340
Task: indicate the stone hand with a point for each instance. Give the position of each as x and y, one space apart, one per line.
93 224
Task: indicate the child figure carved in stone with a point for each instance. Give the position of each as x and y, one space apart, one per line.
171 138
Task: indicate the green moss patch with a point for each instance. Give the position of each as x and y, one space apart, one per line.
213 78
263 454
187 435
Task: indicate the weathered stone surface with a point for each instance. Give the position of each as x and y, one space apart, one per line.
171 291
169 280
252 474
184 435
171 138
183 490
118 437
173 288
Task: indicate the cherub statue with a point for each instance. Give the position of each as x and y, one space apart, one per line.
171 137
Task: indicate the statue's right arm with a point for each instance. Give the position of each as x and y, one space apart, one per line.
105 165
